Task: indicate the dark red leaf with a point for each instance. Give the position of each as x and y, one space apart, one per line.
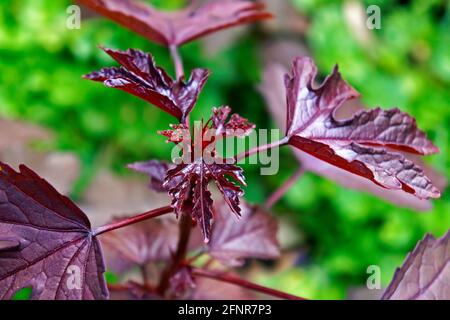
176 28
425 272
275 94
254 235
48 240
362 144
132 290
140 76
188 181
183 285
139 244
157 170
190 191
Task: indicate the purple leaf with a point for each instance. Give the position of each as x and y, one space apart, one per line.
425 273
157 170
190 193
140 76
275 92
254 235
139 244
179 27
46 241
359 144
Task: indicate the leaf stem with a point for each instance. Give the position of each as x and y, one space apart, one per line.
281 191
259 149
224 277
132 220
178 62
177 260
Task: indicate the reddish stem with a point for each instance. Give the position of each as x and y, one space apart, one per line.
178 62
281 191
219 276
259 149
132 220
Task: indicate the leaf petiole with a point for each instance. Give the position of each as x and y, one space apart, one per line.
132 220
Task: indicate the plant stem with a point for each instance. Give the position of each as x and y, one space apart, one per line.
177 260
259 149
243 283
177 61
132 220
281 191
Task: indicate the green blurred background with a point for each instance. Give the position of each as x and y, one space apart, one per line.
406 63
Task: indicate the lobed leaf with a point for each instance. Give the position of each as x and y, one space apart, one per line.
46 241
179 27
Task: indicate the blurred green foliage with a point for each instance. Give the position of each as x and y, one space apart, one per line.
406 63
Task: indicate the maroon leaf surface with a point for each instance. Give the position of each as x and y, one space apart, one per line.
176 28
139 244
230 126
188 181
425 273
140 76
157 170
275 94
45 241
254 235
361 144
